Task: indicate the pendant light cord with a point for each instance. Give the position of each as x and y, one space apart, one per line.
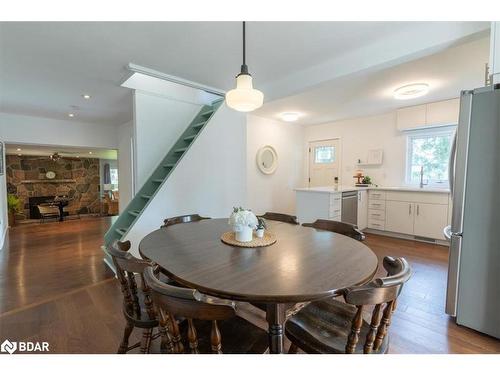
244 44
244 67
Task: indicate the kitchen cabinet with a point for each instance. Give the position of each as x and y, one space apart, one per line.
412 117
399 217
427 115
362 209
443 113
430 219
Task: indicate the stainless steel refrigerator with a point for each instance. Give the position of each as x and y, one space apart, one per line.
473 293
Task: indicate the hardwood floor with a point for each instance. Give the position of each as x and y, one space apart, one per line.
54 287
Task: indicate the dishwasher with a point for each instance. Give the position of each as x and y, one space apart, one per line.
350 207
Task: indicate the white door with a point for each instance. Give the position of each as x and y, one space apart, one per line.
362 209
324 162
430 219
399 216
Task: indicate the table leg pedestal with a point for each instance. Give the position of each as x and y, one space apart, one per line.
276 315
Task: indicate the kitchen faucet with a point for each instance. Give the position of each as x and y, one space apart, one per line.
422 177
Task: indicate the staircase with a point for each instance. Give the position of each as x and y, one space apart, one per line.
127 218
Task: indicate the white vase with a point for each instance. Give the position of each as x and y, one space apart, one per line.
259 233
244 234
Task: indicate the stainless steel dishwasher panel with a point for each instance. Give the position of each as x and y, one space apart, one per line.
350 207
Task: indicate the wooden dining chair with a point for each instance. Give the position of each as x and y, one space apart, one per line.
137 304
340 227
332 326
290 219
182 219
47 211
212 323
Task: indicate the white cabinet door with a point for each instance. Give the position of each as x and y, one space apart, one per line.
412 117
443 113
430 219
362 209
399 217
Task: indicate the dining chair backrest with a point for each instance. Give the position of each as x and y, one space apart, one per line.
379 292
182 219
128 268
173 301
340 227
46 209
280 217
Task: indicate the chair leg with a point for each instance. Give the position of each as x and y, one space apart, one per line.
146 340
293 349
126 334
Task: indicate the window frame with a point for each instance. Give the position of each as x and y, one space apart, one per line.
421 133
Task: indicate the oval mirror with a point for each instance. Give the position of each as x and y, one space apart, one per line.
267 159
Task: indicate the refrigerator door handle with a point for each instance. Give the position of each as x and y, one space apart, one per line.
451 164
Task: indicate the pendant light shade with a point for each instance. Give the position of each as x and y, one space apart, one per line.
244 97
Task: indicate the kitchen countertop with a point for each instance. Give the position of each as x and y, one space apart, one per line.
340 189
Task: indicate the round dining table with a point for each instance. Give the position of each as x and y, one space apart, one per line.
304 264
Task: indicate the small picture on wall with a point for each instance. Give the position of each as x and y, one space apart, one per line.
1 158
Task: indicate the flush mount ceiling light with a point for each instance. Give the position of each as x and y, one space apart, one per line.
244 97
289 116
18 149
86 96
71 115
412 91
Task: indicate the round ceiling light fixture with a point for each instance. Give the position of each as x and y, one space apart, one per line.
86 96
244 98
71 115
289 116
412 91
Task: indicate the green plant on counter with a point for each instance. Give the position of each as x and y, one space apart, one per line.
13 203
261 223
367 180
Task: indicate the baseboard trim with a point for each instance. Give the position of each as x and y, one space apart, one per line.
406 237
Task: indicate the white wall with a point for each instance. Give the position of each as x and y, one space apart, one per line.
44 131
158 123
274 192
495 51
209 180
125 164
357 137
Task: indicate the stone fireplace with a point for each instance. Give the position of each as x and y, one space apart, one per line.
76 178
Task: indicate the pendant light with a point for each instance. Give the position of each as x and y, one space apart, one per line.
244 97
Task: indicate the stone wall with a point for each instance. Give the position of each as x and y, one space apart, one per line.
84 191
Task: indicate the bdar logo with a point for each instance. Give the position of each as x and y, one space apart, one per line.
9 347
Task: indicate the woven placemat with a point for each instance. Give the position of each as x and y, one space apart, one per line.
268 239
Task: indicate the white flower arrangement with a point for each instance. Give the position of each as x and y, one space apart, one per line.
242 218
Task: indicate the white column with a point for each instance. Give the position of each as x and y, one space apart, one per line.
495 51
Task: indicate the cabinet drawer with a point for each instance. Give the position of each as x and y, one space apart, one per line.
334 212
376 204
376 194
335 218
410 196
376 215
335 200
376 224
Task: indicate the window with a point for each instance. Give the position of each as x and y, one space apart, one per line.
324 154
113 172
429 150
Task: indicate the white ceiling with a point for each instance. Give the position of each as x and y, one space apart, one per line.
46 66
371 92
73 152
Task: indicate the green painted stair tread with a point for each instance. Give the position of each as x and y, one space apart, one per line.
190 137
170 165
121 231
135 213
206 113
198 125
158 180
146 196
180 150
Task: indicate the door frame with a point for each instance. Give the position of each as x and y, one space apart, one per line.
308 152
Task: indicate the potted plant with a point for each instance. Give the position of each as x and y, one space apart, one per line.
367 180
13 207
243 222
261 227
